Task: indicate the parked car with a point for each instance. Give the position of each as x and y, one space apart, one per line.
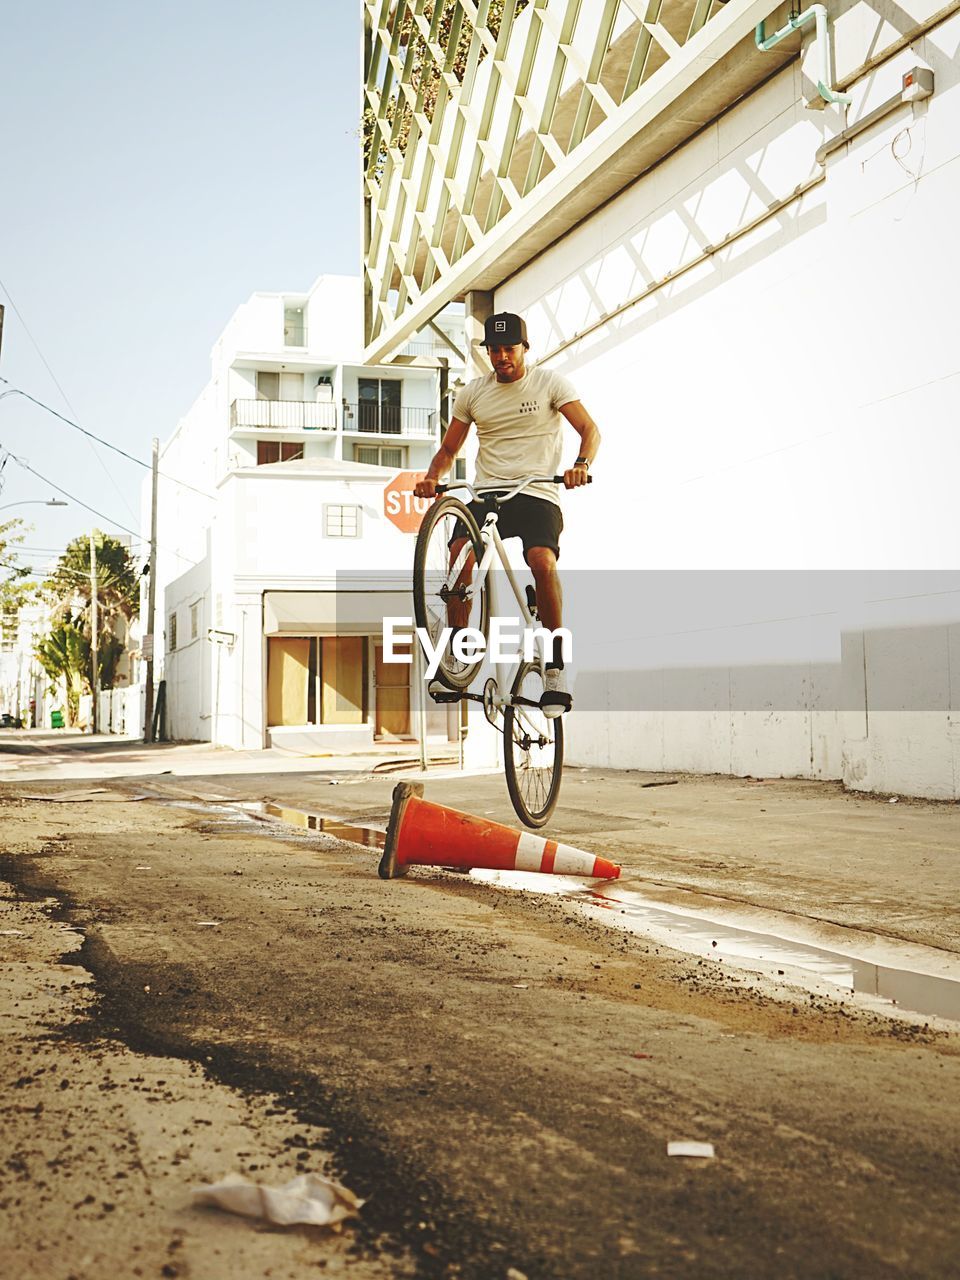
7 721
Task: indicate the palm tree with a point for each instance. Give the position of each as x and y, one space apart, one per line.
69 589
65 653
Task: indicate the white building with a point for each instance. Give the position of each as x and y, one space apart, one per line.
746 259
25 692
276 562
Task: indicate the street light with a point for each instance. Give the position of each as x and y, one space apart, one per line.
36 502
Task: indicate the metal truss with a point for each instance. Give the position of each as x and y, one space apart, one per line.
471 104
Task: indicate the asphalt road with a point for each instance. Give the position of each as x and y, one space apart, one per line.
497 1075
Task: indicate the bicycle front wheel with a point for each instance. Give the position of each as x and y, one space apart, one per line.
444 594
532 749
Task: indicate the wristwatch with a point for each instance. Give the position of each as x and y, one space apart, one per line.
582 462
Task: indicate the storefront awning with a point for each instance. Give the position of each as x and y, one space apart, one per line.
329 613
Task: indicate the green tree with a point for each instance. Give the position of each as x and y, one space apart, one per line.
12 533
16 587
65 653
69 590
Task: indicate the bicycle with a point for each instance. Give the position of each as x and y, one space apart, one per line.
454 589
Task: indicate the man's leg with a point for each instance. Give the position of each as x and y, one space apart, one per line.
458 610
543 565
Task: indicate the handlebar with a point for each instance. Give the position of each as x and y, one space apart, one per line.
499 488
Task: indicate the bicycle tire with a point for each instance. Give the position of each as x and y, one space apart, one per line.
533 771
431 572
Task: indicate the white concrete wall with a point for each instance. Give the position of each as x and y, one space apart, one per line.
278 532
902 711
269 536
787 404
333 314
186 669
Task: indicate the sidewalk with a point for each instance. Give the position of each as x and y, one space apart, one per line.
31 754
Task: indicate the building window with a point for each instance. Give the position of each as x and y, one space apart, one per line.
8 632
379 404
172 632
316 680
380 456
460 469
279 386
340 521
294 327
194 620
277 451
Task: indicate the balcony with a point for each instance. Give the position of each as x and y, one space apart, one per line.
284 415
370 418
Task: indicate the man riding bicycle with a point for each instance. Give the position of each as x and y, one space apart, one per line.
517 412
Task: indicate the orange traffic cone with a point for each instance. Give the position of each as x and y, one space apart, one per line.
429 835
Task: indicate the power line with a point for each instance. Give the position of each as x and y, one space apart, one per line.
99 439
26 329
57 571
38 551
73 498
21 462
66 398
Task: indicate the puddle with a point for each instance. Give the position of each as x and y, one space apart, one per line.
918 992
366 836
903 988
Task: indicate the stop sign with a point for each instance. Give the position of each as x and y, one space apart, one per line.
399 503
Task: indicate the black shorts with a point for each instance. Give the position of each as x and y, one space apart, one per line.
536 520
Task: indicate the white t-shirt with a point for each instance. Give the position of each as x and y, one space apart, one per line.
519 428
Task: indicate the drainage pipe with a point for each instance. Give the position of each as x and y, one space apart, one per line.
794 22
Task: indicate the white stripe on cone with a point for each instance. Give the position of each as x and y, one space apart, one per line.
529 852
568 861
571 861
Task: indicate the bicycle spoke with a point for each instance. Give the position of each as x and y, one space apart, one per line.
446 599
535 752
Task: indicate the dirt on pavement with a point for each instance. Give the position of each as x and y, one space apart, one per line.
190 994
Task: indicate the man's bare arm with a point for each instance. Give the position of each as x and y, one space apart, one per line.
589 434
443 459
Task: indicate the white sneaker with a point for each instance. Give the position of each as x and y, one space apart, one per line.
555 699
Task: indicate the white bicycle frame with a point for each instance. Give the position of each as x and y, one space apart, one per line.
493 546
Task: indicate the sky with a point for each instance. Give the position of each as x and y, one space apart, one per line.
159 164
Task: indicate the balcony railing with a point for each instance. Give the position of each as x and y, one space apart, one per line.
284 415
389 420
305 415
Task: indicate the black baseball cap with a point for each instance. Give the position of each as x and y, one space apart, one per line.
504 330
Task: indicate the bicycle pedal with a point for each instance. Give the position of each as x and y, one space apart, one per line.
445 695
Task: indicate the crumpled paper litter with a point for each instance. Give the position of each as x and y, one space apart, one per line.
308 1198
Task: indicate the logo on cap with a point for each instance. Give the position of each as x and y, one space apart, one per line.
500 326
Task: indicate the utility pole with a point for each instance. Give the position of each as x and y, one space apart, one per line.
94 637
148 639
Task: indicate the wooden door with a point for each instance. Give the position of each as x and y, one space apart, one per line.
392 710
341 674
288 675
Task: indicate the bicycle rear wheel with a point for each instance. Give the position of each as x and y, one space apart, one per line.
532 749
443 590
